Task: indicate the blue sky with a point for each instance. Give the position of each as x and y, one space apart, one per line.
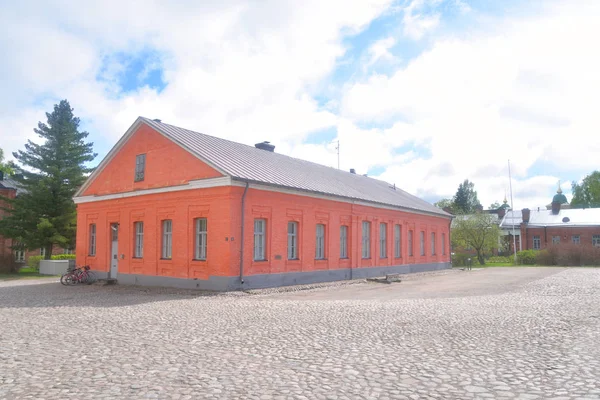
421 93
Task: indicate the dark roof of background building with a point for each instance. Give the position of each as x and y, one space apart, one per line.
8 183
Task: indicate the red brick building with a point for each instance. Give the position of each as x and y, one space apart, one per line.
543 228
169 206
9 254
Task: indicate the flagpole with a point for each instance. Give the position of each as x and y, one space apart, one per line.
513 214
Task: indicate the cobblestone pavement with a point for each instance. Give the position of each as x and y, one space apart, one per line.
535 339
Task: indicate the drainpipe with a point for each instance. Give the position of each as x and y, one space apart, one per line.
242 235
545 236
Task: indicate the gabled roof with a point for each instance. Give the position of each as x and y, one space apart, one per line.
8 183
541 217
250 164
569 217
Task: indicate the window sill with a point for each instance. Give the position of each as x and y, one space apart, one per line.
321 259
344 258
165 259
199 259
259 261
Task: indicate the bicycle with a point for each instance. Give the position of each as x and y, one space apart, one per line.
78 275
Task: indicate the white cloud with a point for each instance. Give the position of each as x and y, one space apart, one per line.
380 51
525 91
416 22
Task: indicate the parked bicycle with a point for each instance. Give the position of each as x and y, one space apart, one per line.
78 275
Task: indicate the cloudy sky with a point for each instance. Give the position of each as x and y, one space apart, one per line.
420 93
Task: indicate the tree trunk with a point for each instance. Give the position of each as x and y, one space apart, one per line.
480 258
48 255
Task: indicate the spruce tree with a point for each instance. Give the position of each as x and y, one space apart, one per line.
465 200
48 175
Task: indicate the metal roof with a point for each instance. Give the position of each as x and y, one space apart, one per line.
576 217
8 183
248 163
542 217
512 218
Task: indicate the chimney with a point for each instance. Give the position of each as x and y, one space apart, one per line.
352 171
526 213
501 212
265 146
555 207
156 120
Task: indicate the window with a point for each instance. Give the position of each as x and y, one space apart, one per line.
443 244
140 167
138 248
575 239
201 237
382 240
167 238
43 252
537 243
422 242
397 241
596 240
19 254
410 243
292 240
433 243
366 239
68 250
320 244
343 241
92 251
260 226
555 239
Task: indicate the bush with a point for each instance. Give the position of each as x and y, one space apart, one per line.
34 261
500 259
546 257
460 259
526 257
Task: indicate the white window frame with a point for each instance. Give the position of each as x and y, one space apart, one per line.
92 244
20 255
43 252
556 239
260 235
68 250
397 241
200 238
576 239
443 244
292 240
422 242
167 239
320 242
344 241
596 240
140 167
138 248
382 240
366 239
432 243
411 250
537 242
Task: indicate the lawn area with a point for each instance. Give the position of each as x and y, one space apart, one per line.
24 273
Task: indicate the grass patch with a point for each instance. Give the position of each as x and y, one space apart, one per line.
24 273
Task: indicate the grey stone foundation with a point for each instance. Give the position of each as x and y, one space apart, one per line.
225 283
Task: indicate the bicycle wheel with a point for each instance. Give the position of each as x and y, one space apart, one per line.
91 278
70 280
64 277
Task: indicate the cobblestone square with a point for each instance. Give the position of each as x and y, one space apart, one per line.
524 333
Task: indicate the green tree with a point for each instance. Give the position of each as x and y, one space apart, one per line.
479 231
49 174
587 194
4 167
494 206
465 200
445 203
